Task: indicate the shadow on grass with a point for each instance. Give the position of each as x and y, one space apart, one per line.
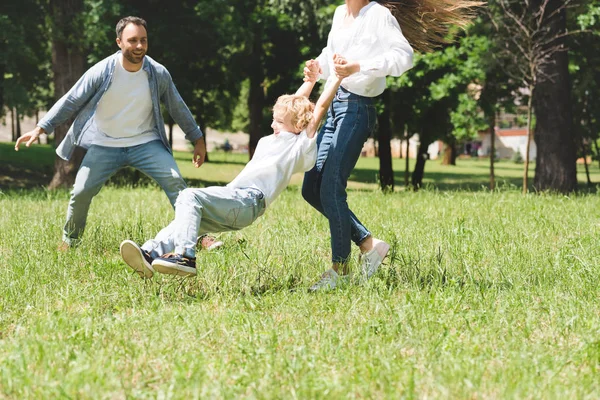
444 181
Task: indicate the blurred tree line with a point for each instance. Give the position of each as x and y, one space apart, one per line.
231 59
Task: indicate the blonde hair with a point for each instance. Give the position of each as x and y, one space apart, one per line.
426 23
299 108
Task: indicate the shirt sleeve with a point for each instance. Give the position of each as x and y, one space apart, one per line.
395 61
74 100
307 152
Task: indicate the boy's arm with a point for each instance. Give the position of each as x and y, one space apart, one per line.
322 105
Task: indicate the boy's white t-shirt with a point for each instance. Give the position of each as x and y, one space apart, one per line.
124 115
276 158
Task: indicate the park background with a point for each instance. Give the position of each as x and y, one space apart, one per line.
488 292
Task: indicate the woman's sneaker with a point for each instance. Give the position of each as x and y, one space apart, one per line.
329 280
175 264
139 260
371 260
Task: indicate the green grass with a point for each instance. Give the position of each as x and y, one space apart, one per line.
485 295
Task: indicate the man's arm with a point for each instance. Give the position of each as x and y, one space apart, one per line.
66 107
184 118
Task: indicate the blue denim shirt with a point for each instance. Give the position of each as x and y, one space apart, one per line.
83 98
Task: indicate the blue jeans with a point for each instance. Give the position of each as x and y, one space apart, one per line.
198 211
350 120
100 163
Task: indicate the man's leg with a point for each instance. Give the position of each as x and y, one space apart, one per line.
98 165
154 160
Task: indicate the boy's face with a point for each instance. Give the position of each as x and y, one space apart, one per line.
282 122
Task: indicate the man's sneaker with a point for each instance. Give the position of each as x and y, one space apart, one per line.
209 242
371 260
139 260
329 280
175 264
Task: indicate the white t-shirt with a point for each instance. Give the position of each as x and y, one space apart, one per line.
275 160
375 40
124 114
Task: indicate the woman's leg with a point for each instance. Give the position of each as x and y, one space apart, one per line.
354 120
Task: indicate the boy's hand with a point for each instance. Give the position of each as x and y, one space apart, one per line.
343 68
312 70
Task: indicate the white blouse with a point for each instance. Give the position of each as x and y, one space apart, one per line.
375 40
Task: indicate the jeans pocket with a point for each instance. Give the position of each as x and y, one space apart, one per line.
343 95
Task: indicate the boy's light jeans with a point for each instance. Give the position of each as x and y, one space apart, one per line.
198 211
100 163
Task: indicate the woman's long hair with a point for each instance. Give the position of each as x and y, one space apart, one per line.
425 23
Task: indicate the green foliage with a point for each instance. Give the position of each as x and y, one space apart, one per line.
517 158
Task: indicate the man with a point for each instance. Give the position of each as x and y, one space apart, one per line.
116 105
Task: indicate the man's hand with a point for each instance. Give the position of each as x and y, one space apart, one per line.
343 68
312 70
30 137
199 152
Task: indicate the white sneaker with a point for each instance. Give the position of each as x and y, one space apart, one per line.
329 280
371 260
138 259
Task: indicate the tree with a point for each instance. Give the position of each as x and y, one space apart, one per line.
534 33
68 65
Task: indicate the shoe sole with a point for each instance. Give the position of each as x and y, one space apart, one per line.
215 245
386 250
133 257
172 269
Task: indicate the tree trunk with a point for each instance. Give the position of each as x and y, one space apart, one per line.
529 138
587 168
597 152
386 172
2 71
419 172
18 122
170 124
256 96
13 130
450 153
492 125
68 63
556 168
406 164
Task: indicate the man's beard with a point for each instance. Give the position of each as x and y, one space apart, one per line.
132 58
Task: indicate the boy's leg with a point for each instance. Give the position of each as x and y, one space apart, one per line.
212 209
98 165
154 160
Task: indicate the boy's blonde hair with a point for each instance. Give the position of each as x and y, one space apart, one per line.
300 109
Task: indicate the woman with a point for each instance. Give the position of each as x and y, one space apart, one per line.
368 36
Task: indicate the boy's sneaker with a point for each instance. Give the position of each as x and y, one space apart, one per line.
139 260
175 264
371 260
329 280
209 242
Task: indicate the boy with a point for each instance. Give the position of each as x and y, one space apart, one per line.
290 149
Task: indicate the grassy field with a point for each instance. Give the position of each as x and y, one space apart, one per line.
485 295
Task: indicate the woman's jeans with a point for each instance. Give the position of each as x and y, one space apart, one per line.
100 163
350 121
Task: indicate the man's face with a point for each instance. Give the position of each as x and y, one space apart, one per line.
133 43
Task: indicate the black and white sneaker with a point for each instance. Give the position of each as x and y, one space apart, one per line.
175 264
139 260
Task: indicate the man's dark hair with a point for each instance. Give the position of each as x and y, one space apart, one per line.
129 20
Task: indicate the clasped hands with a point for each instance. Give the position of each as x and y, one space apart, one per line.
342 67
